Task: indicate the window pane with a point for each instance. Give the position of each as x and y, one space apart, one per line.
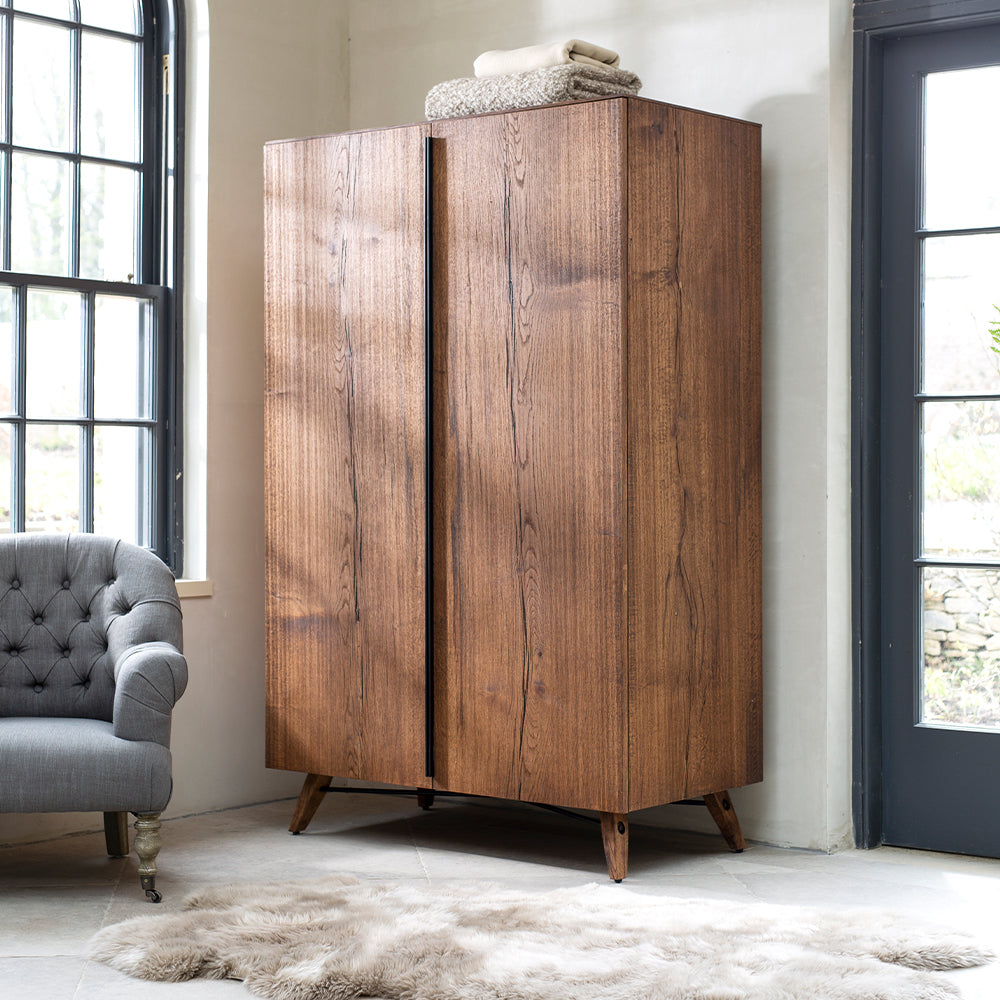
123 358
108 222
41 85
961 477
39 223
962 149
961 308
961 639
119 15
54 358
6 350
52 477
108 97
122 482
6 441
51 8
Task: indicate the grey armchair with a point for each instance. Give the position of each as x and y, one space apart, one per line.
90 669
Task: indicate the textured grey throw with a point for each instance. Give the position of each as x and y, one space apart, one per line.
549 85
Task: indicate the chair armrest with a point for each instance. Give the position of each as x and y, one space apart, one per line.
149 678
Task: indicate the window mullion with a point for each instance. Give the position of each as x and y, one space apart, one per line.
7 111
74 167
19 430
87 405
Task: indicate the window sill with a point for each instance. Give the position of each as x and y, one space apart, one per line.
194 588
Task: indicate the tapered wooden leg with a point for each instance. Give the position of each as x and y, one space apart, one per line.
614 830
147 846
721 807
309 799
116 834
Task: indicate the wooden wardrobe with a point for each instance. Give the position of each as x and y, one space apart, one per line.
513 459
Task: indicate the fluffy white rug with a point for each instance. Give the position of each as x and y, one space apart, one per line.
341 938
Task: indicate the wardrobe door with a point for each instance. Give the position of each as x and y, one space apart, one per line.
529 600
345 455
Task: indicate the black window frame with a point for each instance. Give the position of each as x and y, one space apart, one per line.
160 266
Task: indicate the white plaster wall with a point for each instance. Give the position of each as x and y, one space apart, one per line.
257 70
785 64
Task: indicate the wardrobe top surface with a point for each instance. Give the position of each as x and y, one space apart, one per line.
527 110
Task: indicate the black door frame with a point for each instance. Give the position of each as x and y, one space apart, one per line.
874 22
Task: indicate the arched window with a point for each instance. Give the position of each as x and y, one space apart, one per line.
89 343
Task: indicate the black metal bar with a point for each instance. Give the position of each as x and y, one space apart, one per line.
428 469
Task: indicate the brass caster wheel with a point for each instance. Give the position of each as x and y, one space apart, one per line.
154 895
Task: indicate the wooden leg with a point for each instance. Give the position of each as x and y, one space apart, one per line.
116 834
721 807
614 830
309 799
425 798
147 846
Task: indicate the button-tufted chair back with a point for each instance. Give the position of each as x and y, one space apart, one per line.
69 605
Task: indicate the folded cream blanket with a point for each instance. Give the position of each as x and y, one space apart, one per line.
550 85
499 62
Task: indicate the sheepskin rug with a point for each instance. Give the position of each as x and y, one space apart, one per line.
340 938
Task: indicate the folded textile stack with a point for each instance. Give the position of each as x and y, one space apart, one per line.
537 74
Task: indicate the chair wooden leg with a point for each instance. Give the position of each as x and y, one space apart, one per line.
147 846
614 831
116 834
309 799
721 808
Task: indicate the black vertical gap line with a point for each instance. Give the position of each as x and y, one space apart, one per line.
88 326
19 438
428 468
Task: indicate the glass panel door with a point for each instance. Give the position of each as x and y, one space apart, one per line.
940 441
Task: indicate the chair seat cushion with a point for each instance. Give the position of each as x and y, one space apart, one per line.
79 765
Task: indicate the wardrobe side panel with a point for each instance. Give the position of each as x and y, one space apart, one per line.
694 588
530 608
344 455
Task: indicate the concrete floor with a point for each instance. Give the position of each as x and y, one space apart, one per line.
54 895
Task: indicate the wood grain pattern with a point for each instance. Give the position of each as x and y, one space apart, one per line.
530 611
344 455
694 586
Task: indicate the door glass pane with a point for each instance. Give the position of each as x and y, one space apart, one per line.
123 358
6 442
6 349
54 357
122 480
108 97
961 646
961 314
119 15
108 222
961 478
41 85
961 149
39 214
52 477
